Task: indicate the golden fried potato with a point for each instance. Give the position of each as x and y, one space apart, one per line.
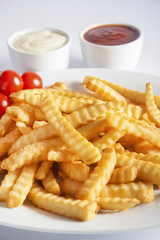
152 109
77 171
7 183
22 186
78 209
50 184
142 191
72 138
100 176
116 203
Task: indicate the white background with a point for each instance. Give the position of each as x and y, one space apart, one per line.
72 16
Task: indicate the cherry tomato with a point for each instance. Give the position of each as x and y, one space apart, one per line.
4 103
10 81
31 80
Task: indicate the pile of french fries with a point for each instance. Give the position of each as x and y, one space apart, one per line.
77 153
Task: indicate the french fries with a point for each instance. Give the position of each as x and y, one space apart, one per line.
134 96
78 209
5 123
75 153
141 191
123 175
133 126
76 171
103 90
50 184
30 154
100 176
7 141
43 170
72 138
152 110
18 193
7 183
117 203
19 114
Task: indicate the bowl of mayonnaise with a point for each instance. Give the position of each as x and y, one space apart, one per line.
39 49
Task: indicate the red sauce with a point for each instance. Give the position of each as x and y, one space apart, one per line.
111 35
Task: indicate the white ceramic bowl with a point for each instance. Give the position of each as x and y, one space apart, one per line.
123 56
38 61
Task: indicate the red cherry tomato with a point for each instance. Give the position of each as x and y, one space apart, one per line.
4 103
10 81
31 80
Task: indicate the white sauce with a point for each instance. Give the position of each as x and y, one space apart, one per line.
40 41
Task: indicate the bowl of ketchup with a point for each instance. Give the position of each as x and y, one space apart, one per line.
111 45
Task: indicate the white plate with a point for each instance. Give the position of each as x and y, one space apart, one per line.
143 216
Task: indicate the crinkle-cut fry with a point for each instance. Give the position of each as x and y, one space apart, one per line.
33 99
68 105
132 110
103 90
77 171
123 175
128 140
43 169
50 184
117 203
30 154
93 129
35 135
59 85
145 117
145 147
61 156
7 141
154 158
133 126
7 183
22 186
18 114
151 108
69 187
77 94
108 139
38 114
19 96
91 113
134 96
72 138
147 171
64 104
140 190
23 128
100 176
38 124
77 209
5 123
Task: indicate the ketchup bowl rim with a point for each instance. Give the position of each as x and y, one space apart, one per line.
82 33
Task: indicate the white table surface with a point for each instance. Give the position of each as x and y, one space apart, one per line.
72 16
